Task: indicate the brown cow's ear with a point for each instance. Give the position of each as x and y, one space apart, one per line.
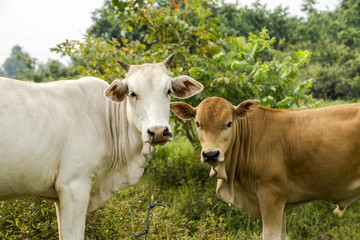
245 108
183 110
185 86
117 91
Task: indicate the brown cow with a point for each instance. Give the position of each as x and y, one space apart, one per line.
267 161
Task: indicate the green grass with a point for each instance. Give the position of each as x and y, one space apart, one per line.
124 214
121 217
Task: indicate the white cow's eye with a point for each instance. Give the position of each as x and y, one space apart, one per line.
169 91
132 94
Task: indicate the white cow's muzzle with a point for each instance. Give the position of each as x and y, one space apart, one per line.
161 134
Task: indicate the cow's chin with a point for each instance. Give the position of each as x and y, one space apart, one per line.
166 140
146 148
161 144
154 143
212 163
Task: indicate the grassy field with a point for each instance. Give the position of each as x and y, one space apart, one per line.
124 214
193 211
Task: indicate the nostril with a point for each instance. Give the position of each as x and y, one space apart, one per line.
151 133
211 156
167 133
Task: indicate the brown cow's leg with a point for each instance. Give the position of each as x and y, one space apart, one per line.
283 227
341 206
272 201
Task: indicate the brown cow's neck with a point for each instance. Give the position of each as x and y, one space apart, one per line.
241 161
243 152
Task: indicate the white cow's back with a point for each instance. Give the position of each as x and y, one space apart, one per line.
39 125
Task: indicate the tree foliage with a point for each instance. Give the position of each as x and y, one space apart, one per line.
333 38
240 21
15 64
52 70
20 65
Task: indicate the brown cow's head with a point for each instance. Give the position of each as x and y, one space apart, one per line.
214 119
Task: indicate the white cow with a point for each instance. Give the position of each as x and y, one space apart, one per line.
67 142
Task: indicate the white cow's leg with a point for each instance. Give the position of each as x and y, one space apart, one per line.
74 199
58 214
272 203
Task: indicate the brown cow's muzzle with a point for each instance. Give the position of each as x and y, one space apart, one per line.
211 156
161 135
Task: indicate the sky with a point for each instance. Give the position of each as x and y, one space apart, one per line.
38 25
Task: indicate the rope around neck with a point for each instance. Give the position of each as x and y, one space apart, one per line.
151 205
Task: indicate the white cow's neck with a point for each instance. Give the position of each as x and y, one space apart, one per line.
124 139
124 162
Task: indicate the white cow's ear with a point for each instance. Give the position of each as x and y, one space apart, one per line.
117 91
183 110
245 108
185 86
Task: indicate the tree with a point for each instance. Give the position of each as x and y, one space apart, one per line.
50 71
332 36
2 73
101 26
14 64
21 65
235 21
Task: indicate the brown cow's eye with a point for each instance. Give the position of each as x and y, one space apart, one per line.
229 124
197 124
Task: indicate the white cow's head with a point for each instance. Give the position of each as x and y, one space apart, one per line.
148 90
